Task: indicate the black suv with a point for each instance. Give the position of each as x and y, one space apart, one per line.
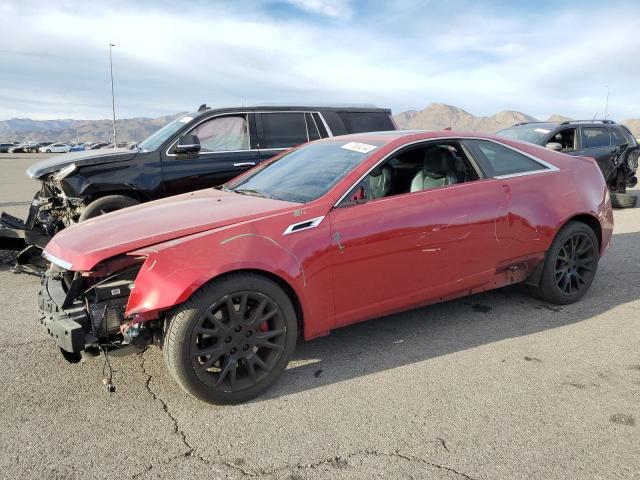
611 144
195 151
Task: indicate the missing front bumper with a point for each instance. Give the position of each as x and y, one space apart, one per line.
67 327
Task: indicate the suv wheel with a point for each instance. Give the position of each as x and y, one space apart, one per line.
107 204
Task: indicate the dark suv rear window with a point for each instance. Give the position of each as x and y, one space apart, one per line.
630 138
595 137
618 136
366 122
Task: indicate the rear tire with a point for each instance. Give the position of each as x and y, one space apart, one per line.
570 265
232 339
623 200
107 204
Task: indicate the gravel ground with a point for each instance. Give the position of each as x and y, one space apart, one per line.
493 386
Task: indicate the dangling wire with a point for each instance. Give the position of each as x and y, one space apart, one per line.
107 380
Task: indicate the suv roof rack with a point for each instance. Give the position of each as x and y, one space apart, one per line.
598 120
527 123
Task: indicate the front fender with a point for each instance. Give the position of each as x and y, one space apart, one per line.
141 175
169 276
175 269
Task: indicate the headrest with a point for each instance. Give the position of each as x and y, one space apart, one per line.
439 161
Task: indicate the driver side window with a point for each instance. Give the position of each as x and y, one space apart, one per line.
223 134
425 167
566 138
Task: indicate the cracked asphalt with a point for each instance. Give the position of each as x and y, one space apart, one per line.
494 386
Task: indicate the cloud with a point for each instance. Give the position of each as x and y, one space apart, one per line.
172 56
330 8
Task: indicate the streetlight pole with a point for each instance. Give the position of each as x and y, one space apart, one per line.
606 106
113 98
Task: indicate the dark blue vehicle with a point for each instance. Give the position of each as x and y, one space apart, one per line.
612 145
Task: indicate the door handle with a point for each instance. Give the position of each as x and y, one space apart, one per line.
244 164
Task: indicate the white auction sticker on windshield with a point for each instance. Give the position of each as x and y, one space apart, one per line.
542 130
358 147
186 119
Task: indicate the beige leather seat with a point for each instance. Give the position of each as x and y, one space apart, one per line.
380 182
438 170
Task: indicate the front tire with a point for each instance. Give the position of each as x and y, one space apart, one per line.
232 339
48 151
107 204
570 265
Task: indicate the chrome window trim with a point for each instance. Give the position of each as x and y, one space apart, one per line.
314 222
326 125
523 174
315 125
306 125
549 167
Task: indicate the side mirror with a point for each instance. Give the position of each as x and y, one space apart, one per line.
188 144
555 146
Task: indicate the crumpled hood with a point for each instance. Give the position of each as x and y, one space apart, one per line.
85 244
88 157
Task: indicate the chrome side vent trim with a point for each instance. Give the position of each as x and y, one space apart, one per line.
305 225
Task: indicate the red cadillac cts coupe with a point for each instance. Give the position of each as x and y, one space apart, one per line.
325 235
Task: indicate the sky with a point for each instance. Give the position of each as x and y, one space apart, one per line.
540 57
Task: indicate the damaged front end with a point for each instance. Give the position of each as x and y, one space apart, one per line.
84 312
621 172
53 208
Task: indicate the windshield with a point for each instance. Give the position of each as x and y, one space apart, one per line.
156 139
532 133
306 173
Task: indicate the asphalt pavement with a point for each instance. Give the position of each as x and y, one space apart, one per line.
494 386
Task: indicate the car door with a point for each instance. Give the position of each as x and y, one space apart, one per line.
228 148
281 130
405 250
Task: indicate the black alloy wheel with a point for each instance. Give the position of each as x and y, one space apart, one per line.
232 339
574 263
238 341
570 265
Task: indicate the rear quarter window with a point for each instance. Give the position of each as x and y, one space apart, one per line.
358 122
497 160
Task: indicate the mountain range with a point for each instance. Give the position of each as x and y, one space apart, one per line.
437 116
434 117
68 130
